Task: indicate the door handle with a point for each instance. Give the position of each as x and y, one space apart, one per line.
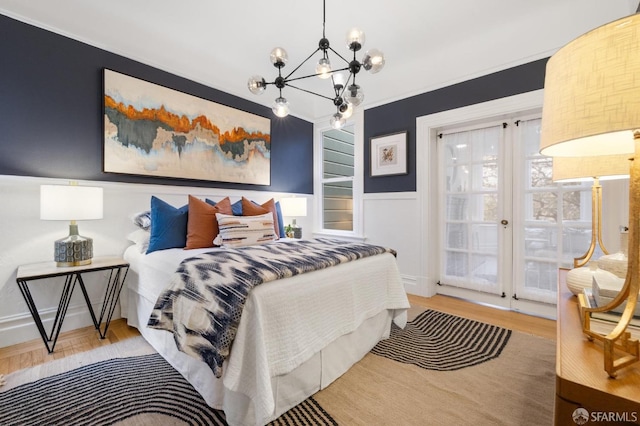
504 222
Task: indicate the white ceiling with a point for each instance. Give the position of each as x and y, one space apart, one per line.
427 44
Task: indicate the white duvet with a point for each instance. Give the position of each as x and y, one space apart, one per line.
284 323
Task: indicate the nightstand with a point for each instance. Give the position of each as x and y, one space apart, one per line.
117 268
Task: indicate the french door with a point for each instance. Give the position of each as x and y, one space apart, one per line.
506 227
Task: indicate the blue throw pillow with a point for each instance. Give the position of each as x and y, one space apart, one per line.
236 208
168 226
280 220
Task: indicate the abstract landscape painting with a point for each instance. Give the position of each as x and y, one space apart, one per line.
152 130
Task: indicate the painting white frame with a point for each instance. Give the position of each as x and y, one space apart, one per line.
388 154
153 130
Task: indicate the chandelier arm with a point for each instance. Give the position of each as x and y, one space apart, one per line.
346 84
309 91
266 83
324 16
338 55
301 64
313 75
333 83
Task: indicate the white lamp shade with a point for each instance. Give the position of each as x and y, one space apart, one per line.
578 169
70 202
294 206
592 93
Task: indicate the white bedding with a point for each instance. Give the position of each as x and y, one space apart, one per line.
284 326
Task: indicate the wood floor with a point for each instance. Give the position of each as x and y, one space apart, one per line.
33 352
508 319
29 354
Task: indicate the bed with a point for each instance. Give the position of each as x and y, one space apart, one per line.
296 335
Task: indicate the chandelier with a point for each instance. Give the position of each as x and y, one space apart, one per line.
345 95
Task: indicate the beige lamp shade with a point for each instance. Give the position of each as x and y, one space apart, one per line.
70 202
578 169
294 206
592 93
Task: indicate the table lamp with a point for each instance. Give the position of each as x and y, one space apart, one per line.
592 108
294 207
72 203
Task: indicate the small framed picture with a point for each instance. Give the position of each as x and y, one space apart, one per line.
389 154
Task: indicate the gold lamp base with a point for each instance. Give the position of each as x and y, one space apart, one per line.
596 225
620 350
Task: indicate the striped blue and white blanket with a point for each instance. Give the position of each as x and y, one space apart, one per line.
204 301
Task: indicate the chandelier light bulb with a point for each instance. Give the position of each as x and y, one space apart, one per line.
280 107
355 39
256 85
354 95
346 109
373 61
279 57
323 68
337 121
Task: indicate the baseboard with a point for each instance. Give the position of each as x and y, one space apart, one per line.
417 286
410 283
539 309
21 328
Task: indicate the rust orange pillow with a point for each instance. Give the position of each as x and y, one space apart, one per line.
202 225
249 208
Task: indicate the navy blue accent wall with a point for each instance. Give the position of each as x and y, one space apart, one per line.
51 113
401 115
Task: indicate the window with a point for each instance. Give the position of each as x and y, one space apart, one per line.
338 165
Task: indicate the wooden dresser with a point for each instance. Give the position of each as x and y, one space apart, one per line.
580 377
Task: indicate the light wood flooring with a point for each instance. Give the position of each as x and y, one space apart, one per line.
33 352
508 319
29 354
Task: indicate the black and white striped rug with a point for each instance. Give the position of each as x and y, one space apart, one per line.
117 389
443 342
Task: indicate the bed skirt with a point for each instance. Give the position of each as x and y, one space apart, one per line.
288 389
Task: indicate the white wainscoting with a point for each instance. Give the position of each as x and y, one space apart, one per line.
27 239
393 219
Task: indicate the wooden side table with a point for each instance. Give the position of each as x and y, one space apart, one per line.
117 268
581 381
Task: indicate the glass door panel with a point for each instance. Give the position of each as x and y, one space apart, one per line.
555 221
471 234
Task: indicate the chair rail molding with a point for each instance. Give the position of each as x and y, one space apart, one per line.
27 239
